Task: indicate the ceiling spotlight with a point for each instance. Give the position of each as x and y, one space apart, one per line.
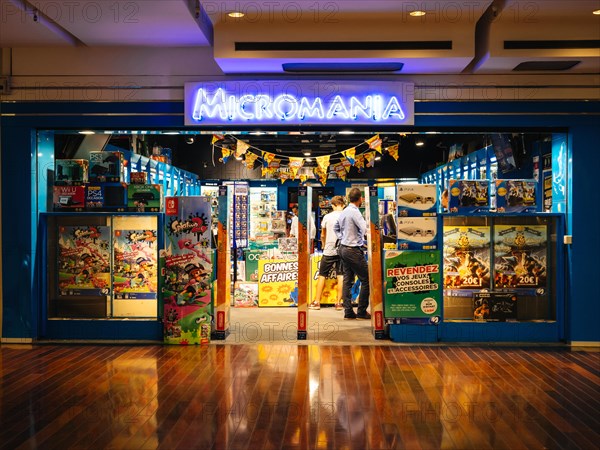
378 158
87 132
306 153
171 133
239 158
419 143
236 14
597 12
346 132
308 159
189 140
417 13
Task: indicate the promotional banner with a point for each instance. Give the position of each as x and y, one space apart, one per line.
187 266
520 256
278 282
83 260
135 272
412 282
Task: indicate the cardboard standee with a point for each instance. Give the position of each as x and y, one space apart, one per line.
304 210
375 271
223 299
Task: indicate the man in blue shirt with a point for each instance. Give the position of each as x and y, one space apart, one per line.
350 229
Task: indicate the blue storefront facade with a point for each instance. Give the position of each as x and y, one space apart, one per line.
22 265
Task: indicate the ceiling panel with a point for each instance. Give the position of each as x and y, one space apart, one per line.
551 24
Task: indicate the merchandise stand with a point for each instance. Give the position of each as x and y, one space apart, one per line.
223 298
375 258
304 210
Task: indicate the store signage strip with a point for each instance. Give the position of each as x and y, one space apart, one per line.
269 102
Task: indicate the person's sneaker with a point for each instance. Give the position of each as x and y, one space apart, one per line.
339 306
314 305
365 316
350 316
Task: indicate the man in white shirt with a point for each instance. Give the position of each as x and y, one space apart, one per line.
330 262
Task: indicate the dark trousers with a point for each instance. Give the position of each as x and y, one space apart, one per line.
354 263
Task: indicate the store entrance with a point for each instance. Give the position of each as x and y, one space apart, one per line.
225 245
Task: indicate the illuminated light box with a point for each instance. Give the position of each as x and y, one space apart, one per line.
290 102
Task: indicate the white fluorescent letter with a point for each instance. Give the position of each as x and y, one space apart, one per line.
315 110
242 109
337 108
203 106
393 108
356 106
290 102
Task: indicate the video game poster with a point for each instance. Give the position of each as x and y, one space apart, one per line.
521 255
83 260
466 257
135 273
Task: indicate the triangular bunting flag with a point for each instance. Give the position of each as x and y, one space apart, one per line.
370 157
340 170
268 157
349 154
360 163
320 175
295 165
284 176
274 164
249 160
217 137
393 151
374 143
323 163
241 148
346 164
225 154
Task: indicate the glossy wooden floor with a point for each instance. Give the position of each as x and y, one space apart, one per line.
288 396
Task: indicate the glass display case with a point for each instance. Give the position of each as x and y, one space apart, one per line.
500 269
102 265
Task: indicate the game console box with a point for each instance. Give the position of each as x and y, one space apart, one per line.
138 178
69 198
106 197
144 197
417 233
70 172
468 196
515 196
414 200
107 167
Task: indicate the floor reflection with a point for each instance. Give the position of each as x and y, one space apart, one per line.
288 396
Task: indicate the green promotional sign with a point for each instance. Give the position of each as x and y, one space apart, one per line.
252 257
412 281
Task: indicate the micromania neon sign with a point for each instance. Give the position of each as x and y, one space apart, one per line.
299 103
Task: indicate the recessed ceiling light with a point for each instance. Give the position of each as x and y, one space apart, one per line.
597 12
87 132
417 13
308 159
378 158
236 14
171 132
419 143
239 158
346 132
306 153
